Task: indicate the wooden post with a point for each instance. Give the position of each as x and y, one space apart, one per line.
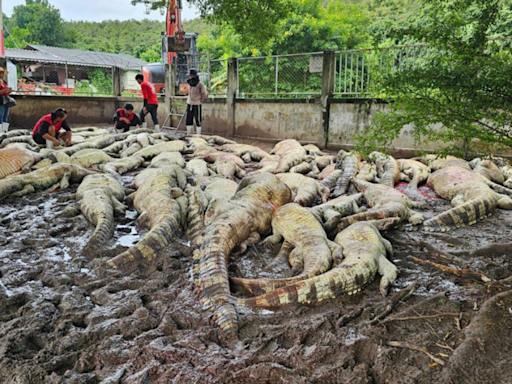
231 94
328 81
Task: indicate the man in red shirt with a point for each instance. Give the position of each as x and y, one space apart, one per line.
150 101
125 118
46 130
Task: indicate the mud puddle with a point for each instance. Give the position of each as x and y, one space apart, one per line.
67 319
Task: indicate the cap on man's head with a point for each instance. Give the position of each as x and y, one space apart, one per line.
193 72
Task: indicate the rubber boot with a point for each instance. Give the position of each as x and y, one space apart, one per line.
157 127
198 130
144 125
190 129
5 127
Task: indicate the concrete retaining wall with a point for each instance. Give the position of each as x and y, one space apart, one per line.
273 120
81 110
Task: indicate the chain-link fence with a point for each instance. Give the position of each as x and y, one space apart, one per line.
40 78
282 76
218 78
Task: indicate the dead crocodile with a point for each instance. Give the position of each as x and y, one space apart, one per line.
364 251
197 167
49 178
203 198
487 169
290 152
388 169
130 150
226 165
168 158
414 172
385 202
329 214
156 200
249 211
472 198
367 172
154 150
324 161
304 189
348 163
313 250
245 152
14 161
18 139
99 197
121 166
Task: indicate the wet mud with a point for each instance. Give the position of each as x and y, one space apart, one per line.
67 318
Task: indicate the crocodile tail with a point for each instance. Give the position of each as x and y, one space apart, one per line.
196 210
211 276
103 232
377 214
464 215
147 250
325 286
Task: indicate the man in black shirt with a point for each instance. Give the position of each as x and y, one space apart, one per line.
47 129
125 118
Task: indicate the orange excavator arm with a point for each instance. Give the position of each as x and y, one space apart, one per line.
176 41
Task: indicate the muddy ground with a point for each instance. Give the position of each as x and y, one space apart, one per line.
68 319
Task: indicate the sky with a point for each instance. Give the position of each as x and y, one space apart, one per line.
99 10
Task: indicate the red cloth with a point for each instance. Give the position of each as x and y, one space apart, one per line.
148 92
48 119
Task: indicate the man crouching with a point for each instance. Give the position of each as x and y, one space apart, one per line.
48 129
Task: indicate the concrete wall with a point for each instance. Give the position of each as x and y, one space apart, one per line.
278 119
272 120
81 110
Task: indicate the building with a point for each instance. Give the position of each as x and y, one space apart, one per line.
51 70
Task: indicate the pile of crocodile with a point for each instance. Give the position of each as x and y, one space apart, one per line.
326 212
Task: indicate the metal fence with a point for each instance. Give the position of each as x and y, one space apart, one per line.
280 75
218 78
357 71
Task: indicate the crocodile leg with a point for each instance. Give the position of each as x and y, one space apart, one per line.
389 273
27 189
281 258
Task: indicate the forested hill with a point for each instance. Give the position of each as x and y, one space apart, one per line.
311 25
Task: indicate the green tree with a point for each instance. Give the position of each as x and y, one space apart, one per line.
43 23
461 89
254 20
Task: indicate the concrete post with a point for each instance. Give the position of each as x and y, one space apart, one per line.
117 82
231 93
170 88
328 81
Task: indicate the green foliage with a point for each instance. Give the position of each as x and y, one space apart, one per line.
99 83
461 92
138 38
38 22
253 20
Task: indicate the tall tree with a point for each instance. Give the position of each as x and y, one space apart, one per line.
460 88
254 20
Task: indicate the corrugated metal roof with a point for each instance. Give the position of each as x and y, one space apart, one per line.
41 53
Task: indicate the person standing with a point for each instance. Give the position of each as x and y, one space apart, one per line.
4 109
46 130
150 102
196 97
125 118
